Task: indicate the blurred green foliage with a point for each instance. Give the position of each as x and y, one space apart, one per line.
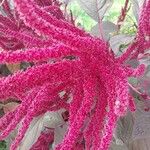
3 145
81 17
128 27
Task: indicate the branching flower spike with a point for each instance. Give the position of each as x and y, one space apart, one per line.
71 61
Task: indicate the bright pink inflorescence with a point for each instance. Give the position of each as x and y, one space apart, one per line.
75 62
44 140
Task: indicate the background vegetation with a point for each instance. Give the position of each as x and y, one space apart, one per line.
112 15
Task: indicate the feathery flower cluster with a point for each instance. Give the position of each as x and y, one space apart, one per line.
142 40
43 141
11 17
94 77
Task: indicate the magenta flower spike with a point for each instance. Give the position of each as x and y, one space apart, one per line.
65 59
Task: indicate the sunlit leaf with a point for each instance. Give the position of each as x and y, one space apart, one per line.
59 133
32 133
118 40
108 28
136 7
95 8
